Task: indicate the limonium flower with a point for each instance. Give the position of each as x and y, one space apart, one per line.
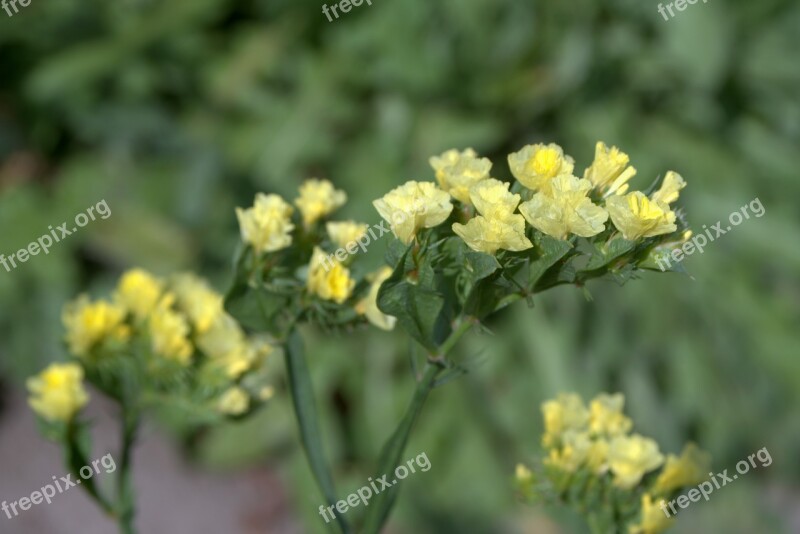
318 198
89 323
412 207
235 401
653 519
565 209
197 300
670 189
609 173
566 412
345 232
138 291
636 216
328 279
267 226
227 347
572 453
535 166
631 457
606 417
492 196
497 227
57 393
457 171
368 306
689 469
169 332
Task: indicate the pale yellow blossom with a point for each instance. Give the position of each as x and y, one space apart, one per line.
631 457
138 291
89 323
638 217
368 306
689 469
535 166
328 278
653 518
670 189
412 207
606 417
169 332
318 199
609 172
346 232
267 226
565 413
235 401
500 232
57 393
457 171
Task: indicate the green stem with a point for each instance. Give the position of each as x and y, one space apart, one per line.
382 503
302 393
126 505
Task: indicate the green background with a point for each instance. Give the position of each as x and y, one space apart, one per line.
177 112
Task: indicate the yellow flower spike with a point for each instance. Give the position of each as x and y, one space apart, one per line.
89 323
235 401
631 457
565 413
345 232
412 207
457 171
198 301
267 226
492 197
606 417
689 469
638 217
488 235
535 166
609 172
169 332
670 189
138 291
654 520
57 393
565 210
318 199
328 279
368 306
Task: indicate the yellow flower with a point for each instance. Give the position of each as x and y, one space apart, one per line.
88 323
670 189
457 171
57 393
636 216
235 401
413 206
492 197
565 209
483 234
328 279
169 332
597 456
368 306
266 393
267 226
523 475
609 172
346 232
318 198
227 347
138 291
573 453
198 301
606 417
536 165
567 412
691 468
631 457
654 520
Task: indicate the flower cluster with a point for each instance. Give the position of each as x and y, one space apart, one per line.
300 270
592 452
173 333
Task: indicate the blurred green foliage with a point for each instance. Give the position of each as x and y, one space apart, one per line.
176 112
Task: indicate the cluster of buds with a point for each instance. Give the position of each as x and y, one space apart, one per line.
155 341
597 466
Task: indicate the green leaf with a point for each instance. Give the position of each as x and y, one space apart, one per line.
550 251
302 392
77 446
416 308
608 253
